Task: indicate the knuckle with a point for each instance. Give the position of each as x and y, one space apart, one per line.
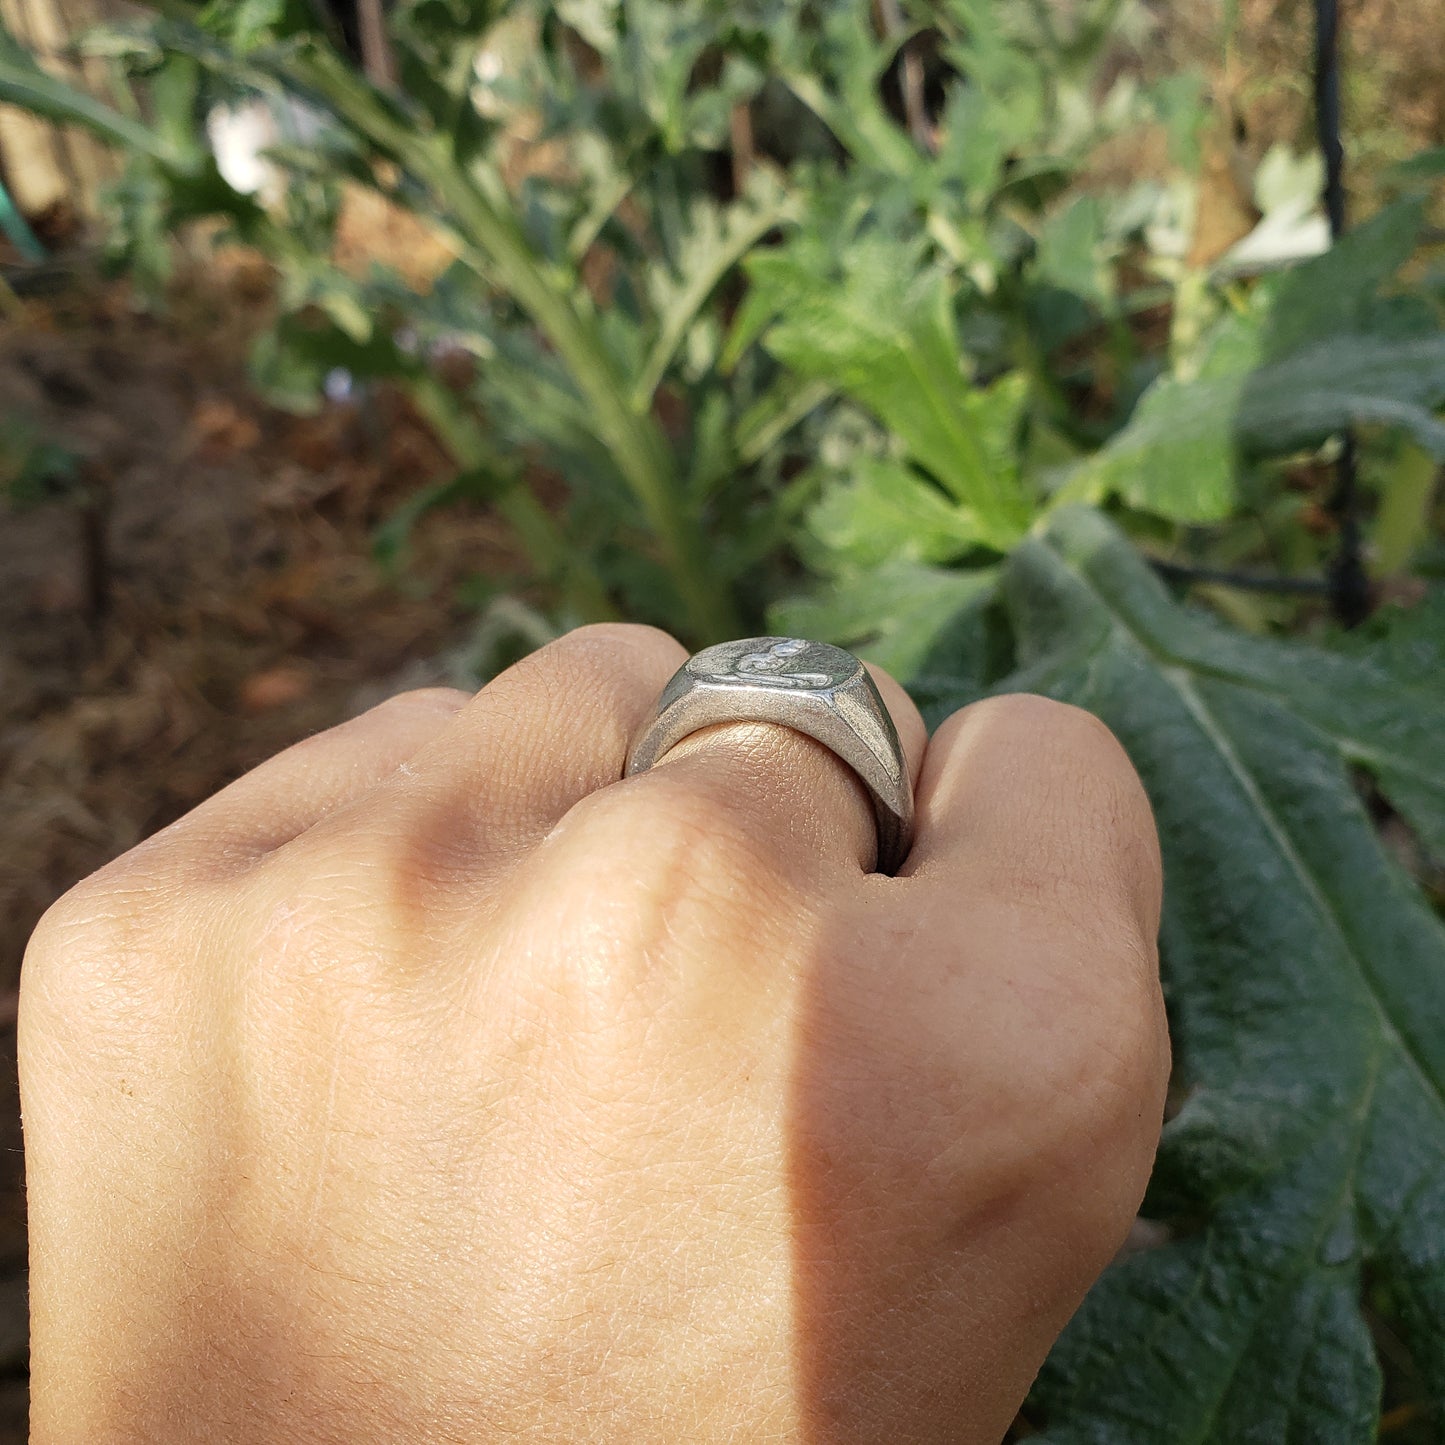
601 648
661 885
427 700
687 861
1061 735
302 935
63 928
120 897
1101 868
98 945
606 636
352 911
1098 760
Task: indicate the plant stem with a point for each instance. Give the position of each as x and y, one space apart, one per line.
377 60
910 75
541 538
1244 581
632 436
740 135
95 549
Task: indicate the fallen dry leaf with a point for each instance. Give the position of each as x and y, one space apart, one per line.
274 687
220 429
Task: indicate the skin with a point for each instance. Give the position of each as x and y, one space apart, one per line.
430 1083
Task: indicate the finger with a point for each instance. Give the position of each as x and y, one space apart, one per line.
986 1047
548 731
306 782
1036 800
790 794
1015 976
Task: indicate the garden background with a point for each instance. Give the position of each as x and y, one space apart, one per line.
1092 347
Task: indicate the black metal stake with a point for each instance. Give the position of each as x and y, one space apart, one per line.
1349 587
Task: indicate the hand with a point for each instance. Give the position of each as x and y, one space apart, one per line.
429 1083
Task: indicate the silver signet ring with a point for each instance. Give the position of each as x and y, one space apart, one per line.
811 687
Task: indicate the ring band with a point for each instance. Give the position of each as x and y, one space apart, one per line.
811 687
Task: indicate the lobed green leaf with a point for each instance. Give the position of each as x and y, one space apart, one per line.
1306 981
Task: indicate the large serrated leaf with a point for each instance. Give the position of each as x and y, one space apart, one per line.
1346 380
1315 353
884 334
1334 292
891 614
716 239
885 510
1306 981
1177 456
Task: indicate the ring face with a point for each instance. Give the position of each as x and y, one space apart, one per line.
788 662
812 687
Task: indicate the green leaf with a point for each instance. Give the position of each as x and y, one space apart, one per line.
24 83
1070 250
975 145
1387 730
175 103
290 363
1407 644
775 413
717 238
892 615
834 65
1306 981
1008 114
596 21
1175 457
1316 352
244 24
1334 292
33 470
1345 380
883 333
1426 165
885 510
1402 523
390 540
661 45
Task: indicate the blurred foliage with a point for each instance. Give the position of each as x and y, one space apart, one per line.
34 470
805 316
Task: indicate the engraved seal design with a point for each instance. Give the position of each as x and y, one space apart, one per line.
770 666
783 662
